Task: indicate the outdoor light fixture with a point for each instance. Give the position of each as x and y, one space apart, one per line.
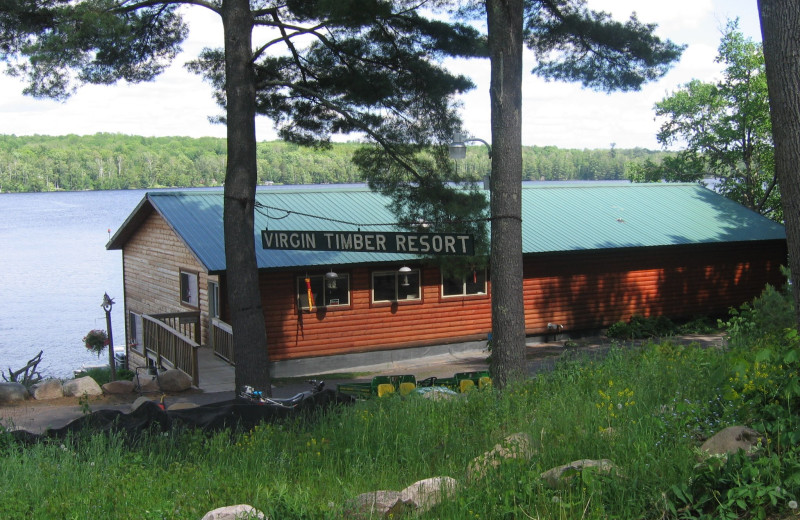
106 305
458 152
404 271
331 278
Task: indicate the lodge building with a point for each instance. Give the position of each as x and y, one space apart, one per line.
593 254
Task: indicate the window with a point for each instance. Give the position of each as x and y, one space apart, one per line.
135 331
473 282
189 292
324 292
213 299
392 286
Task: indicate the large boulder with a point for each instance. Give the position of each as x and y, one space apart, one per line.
48 389
731 440
12 393
378 504
119 387
82 386
237 512
174 380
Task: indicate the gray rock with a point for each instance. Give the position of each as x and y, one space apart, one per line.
237 512
517 445
428 493
378 504
80 386
12 393
48 389
557 477
174 380
119 387
731 440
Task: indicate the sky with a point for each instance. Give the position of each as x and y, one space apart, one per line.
558 114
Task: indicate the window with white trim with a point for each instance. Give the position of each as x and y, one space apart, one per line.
135 331
213 299
315 291
190 295
471 283
393 286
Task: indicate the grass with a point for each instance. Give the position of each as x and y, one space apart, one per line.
645 409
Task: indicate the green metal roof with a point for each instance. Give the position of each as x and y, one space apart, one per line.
555 217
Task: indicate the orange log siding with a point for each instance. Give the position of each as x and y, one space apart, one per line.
580 290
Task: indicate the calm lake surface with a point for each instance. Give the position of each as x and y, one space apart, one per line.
54 269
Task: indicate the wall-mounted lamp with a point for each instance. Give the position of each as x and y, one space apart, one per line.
331 278
404 271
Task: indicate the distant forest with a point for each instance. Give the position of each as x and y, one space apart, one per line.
115 161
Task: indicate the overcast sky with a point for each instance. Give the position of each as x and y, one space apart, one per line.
559 114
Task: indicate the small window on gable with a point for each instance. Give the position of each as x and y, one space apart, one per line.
473 282
393 286
189 289
315 291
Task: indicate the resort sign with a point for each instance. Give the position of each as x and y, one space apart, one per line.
370 242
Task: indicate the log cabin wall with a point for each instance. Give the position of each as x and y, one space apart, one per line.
580 290
364 326
153 259
594 289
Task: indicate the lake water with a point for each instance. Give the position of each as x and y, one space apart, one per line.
54 269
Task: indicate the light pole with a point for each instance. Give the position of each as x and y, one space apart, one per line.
458 152
106 305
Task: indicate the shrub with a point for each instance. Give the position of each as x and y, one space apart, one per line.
640 327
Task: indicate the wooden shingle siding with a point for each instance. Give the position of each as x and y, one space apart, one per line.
152 261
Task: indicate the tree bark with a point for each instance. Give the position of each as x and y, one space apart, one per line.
508 312
781 42
244 296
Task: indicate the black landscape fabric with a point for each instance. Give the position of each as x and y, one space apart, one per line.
211 417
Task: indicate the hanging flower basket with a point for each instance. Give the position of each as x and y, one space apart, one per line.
96 341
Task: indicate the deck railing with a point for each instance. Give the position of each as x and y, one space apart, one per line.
220 338
168 345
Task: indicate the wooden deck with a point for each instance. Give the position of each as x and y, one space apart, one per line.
216 375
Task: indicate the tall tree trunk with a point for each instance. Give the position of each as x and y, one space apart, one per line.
780 20
244 296
508 311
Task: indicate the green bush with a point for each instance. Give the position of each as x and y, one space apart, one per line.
640 327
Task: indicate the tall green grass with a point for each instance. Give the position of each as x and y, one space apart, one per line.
645 408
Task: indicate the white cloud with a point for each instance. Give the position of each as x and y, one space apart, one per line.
564 115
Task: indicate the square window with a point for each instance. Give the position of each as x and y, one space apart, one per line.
392 286
471 283
189 293
322 292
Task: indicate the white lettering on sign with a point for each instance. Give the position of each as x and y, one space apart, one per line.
379 242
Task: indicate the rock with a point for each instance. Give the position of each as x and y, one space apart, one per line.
12 393
119 387
146 384
731 440
557 477
436 393
428 493
238 512
517 445
181 406
48 389
80 386
378 504
174 380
